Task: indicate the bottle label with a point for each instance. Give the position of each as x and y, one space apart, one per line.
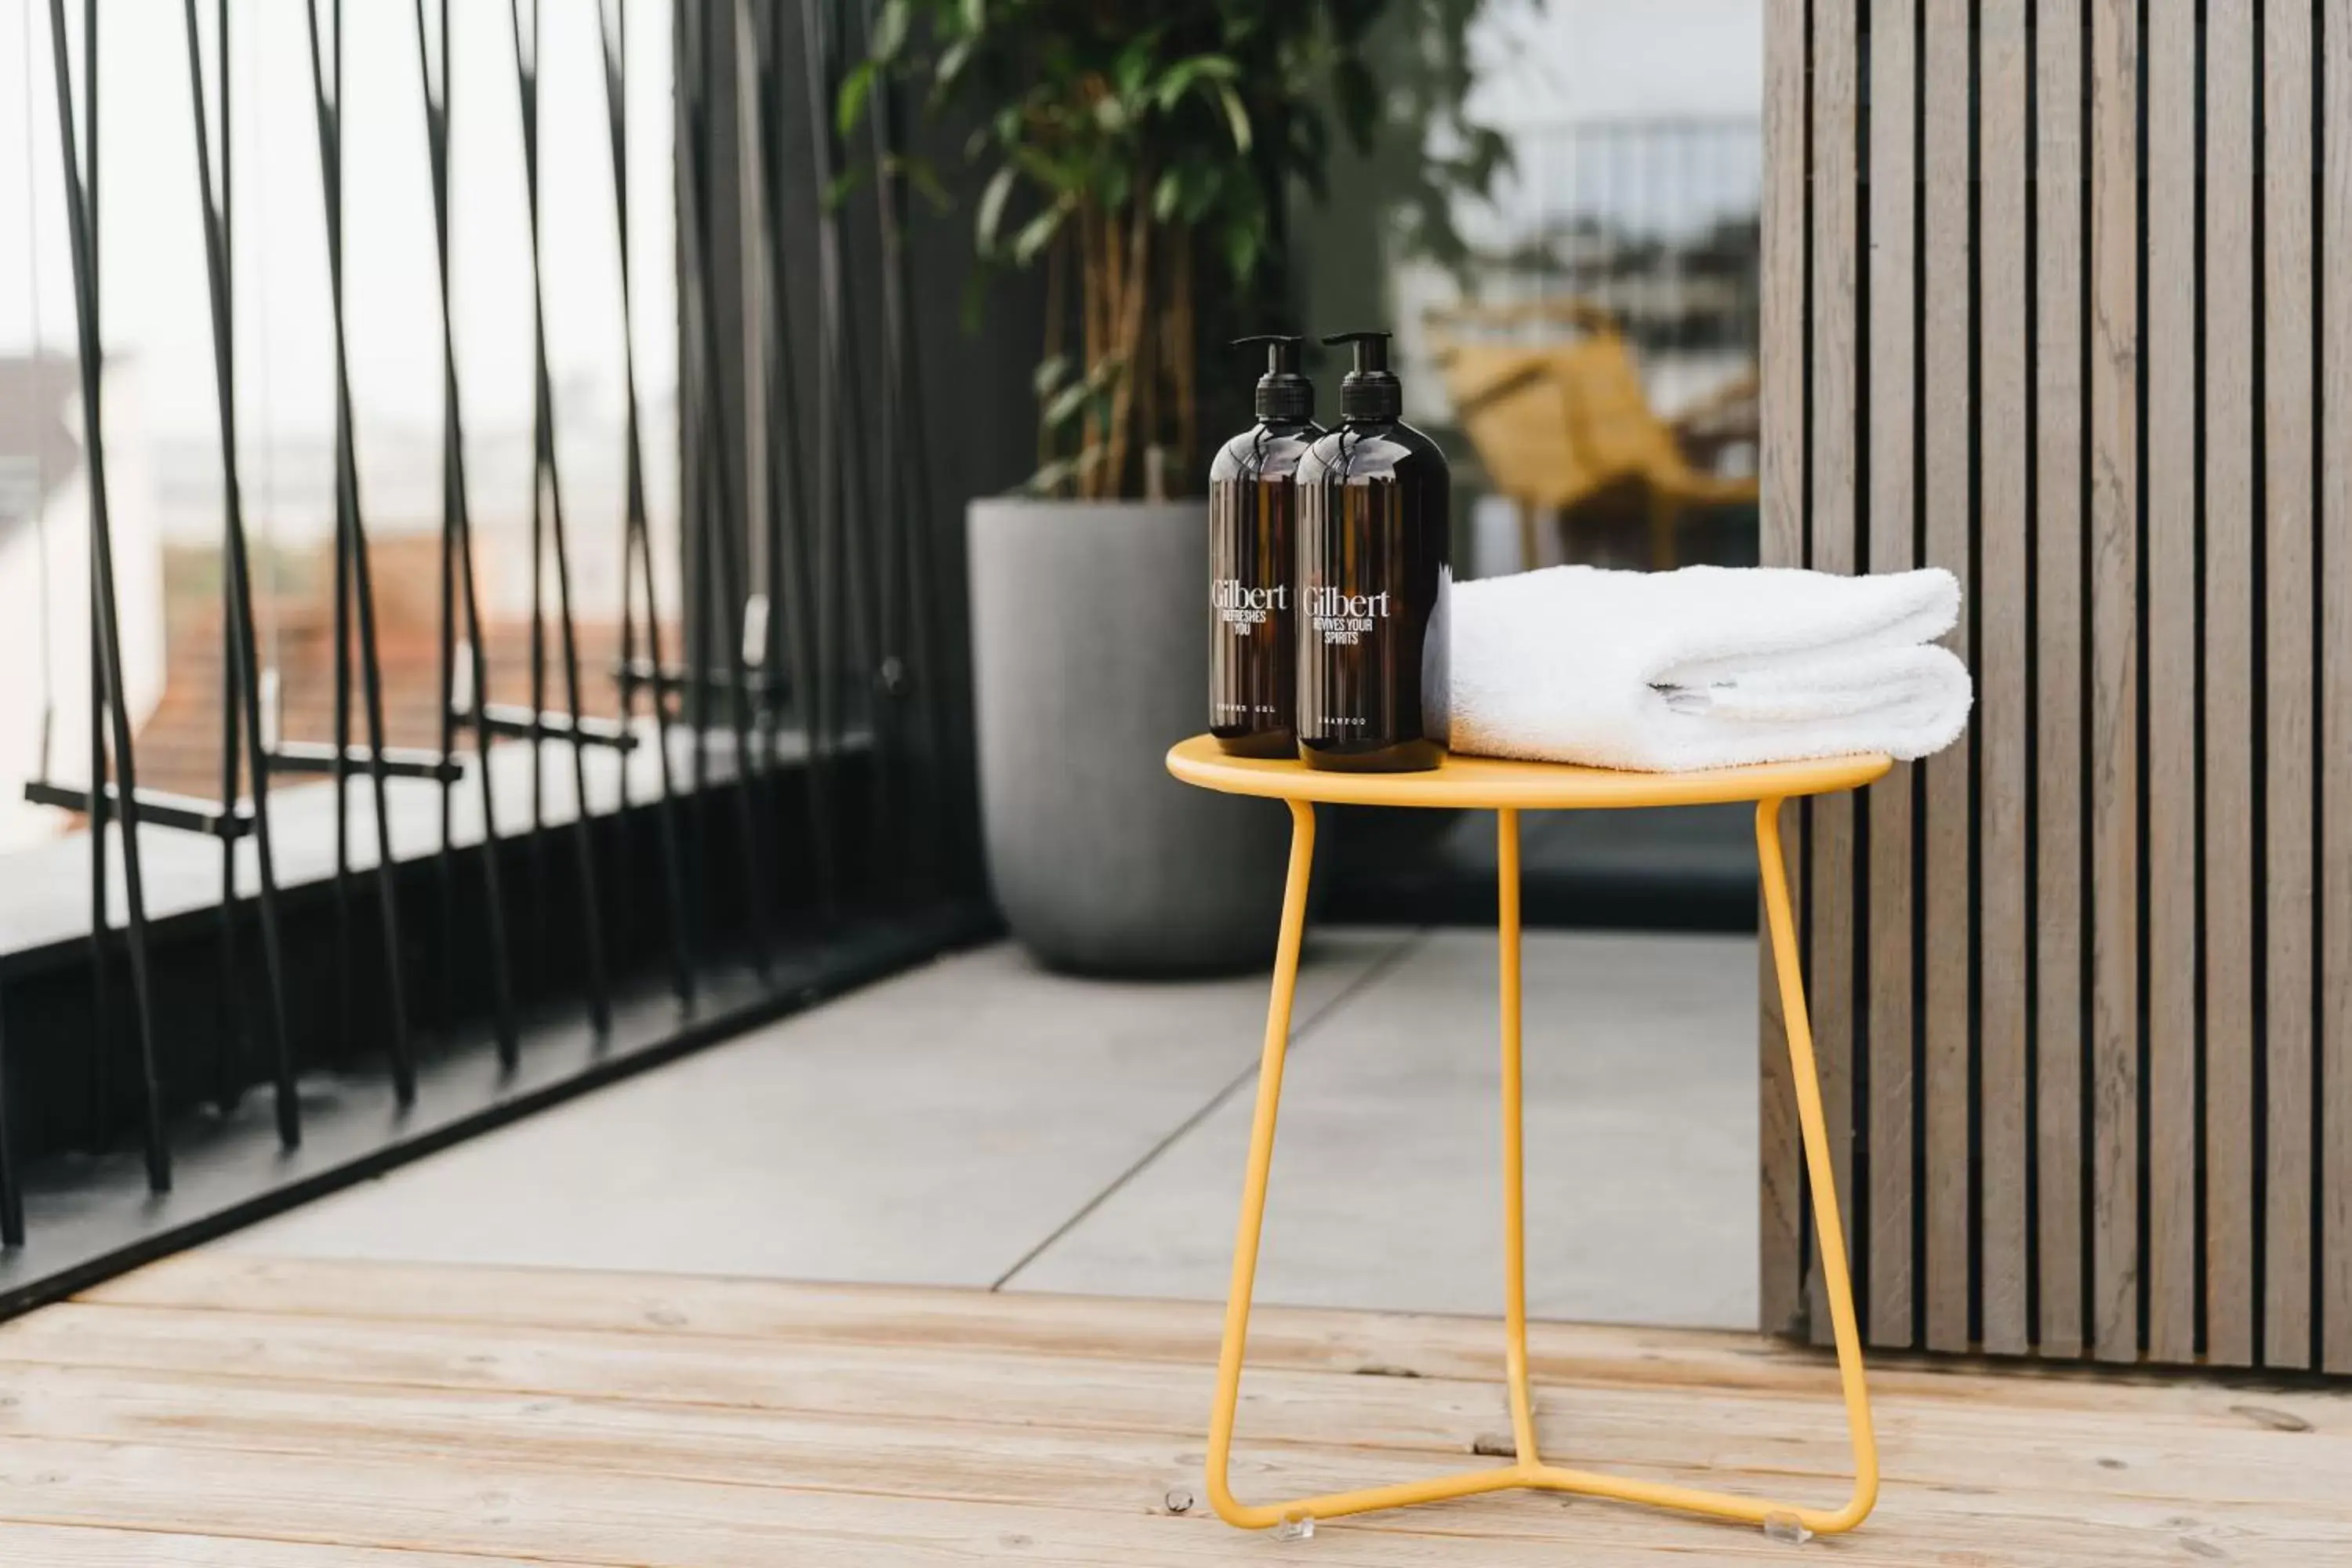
1341 619
1239 606
1253 659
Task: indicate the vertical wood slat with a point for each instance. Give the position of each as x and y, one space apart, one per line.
1781 474
2004 636
2227 720
2058 802
1894 335
2165 677
2171 1006
2114 757
2288 758
2336 694
1830 973
1944 377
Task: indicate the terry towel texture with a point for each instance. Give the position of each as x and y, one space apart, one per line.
1703 668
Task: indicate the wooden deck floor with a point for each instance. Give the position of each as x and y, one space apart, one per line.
243 1413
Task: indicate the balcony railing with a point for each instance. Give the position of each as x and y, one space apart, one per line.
425 771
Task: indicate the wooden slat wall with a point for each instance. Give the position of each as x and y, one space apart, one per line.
2059 296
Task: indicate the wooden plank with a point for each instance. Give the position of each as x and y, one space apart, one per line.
2289 758
1949 826
2114 759
2335 701
1829 883
2171 611
1893 510
501 1507
178 1314
1781 520
74 1546
2060 110
2228 716
1971 1448
2004 637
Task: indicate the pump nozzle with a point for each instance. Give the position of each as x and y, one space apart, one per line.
1371 390
1282 393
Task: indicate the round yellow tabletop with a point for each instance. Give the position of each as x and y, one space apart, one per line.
1491 782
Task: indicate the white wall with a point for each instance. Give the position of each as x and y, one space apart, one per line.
51 608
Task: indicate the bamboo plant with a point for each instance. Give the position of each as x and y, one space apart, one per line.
1142 151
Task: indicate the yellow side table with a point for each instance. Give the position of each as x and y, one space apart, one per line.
1507 789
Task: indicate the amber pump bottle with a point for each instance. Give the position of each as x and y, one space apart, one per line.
1374 532
1253 549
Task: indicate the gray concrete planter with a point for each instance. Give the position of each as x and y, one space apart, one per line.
1090 656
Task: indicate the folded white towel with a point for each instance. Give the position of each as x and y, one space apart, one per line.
1703 668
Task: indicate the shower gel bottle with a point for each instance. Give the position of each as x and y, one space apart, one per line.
1374 533
1253 550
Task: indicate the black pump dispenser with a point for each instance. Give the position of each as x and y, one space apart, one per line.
1374 526
1283 395
1371 390
1253 552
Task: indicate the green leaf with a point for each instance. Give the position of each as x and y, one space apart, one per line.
1186 74
1358 100
854 87
975 14
1038 232
991 209
1066 405
890 34
1167 196
1051 374
1134 63
1052 476
950 66
837 190
1236 116
917 172
1243 242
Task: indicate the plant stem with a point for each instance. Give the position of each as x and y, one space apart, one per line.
1130 341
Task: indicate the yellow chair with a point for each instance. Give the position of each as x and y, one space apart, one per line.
1560 425
1507 789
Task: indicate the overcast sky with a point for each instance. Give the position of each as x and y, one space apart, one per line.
1611 59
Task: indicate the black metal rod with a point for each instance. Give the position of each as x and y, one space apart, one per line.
108 693
647 672
636 543
840 453
353 577
241 679
911 676
157 808
719 518
399 762
458 552
229 1037
101 1033
511 719
791 619
12 1194
548 482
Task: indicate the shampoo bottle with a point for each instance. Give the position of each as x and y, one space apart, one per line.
1253 545
1374 534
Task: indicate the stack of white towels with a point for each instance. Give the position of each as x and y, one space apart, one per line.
1703 668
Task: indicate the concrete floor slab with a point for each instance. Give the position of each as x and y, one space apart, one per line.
932 1128
979 1119
1641 1126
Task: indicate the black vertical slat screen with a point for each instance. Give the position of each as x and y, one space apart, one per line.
2054 300
784 799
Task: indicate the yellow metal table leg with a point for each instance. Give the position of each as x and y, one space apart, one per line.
1528 1468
